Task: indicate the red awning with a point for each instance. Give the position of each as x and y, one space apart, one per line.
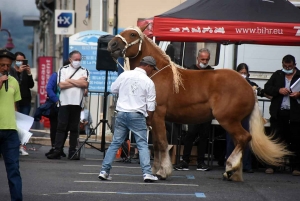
188 30
269 22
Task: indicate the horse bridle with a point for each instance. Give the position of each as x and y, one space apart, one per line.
139 40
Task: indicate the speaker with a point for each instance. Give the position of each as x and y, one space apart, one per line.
104 60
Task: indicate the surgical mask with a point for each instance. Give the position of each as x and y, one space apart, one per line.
287 71
244 76
203 65
76 64
19 63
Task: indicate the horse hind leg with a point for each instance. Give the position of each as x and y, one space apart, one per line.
234 165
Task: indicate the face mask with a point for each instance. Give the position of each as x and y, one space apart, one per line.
19 63
244 76
76 64
203 65
287 71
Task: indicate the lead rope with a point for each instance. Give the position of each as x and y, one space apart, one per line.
160 70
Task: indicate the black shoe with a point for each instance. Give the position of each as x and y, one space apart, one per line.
55 155
50 152
182 166
76 157
62 154
202 166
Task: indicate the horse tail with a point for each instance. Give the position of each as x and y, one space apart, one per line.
267 150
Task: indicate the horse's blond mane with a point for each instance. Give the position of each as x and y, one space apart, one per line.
177 79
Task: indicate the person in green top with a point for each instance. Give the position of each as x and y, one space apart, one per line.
9 139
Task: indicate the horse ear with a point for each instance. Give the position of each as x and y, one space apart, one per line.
143 28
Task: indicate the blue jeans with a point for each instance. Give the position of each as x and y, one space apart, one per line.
9 147
24 109
136 123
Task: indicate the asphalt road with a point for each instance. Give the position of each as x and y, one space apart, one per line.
63 180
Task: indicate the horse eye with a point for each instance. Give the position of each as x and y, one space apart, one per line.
132 34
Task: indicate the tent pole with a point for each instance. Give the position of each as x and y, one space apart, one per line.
183 54
235 52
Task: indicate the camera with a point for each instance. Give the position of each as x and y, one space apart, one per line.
25 62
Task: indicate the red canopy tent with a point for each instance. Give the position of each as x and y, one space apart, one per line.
269 22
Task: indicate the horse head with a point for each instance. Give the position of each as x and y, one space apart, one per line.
128 43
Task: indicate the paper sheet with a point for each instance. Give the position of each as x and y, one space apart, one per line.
24 123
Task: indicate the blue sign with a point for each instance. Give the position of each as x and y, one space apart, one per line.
64 20
86 42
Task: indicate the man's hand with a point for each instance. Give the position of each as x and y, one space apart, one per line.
28 70
295 95
284 91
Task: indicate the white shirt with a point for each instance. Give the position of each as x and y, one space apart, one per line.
74 95
136 92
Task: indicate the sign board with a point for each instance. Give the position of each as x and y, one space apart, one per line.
44 73
64 22
86 42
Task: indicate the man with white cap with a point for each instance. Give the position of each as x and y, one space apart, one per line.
135 108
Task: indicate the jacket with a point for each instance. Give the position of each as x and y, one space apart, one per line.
26 83
52 88
277 81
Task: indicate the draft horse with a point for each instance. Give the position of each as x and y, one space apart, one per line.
192 97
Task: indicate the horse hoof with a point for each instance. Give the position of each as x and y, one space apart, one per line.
160 177
227 175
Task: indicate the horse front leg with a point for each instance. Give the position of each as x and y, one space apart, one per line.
162 166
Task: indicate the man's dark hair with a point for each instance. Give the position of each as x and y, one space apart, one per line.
288 59
66 62
74 52
21 54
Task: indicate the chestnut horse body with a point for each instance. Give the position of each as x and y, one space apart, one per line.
193 97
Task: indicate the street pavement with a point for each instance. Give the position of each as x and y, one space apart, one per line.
63 180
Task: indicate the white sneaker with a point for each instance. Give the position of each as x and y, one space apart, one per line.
23 152
104 176
149 178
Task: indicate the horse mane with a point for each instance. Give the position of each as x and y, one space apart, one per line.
177 79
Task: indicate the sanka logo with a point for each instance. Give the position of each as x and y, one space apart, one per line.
298 30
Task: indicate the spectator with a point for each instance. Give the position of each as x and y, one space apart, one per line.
136 101
22 73
53 95
197 133
285 109
9 139
72 80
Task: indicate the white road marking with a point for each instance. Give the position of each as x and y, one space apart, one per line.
144 183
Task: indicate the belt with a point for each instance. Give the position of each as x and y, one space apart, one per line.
284 109
133 112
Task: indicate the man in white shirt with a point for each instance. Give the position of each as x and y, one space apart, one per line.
135 107
72 80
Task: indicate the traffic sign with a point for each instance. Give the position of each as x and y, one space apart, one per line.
64 22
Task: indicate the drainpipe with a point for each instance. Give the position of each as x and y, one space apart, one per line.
116 17
54 38
104 19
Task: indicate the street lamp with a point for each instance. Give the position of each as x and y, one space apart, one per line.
9 45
